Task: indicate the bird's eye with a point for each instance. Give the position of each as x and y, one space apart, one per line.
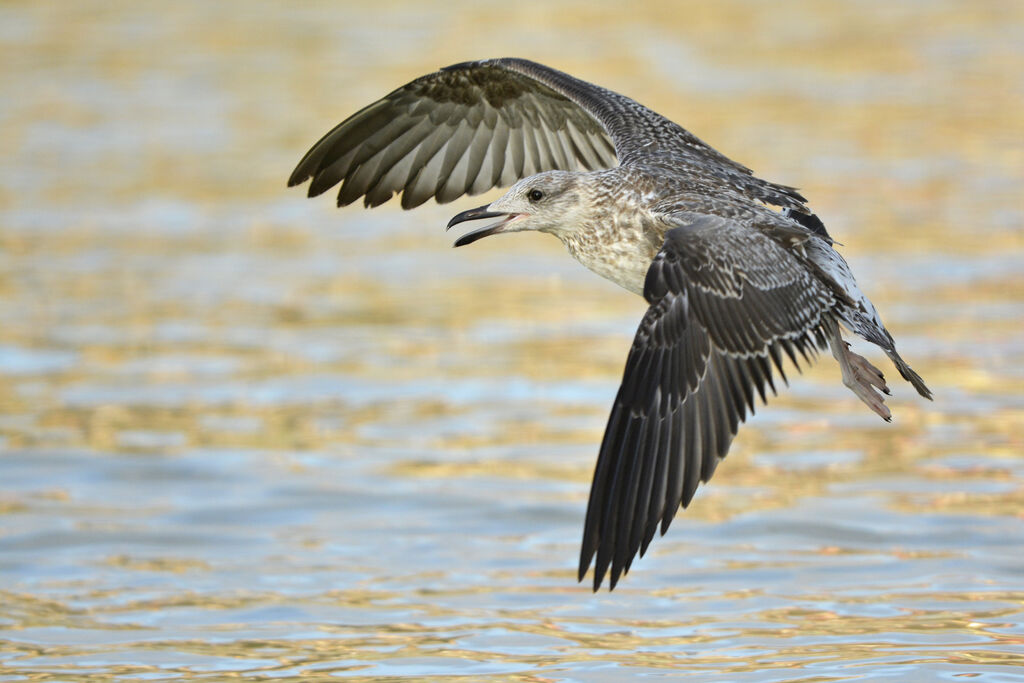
535 195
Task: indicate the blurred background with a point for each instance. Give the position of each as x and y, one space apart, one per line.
246 435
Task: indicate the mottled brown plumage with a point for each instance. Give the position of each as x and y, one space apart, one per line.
735 288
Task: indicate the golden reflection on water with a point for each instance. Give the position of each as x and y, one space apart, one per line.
245 435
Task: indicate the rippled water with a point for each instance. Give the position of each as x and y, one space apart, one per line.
248 436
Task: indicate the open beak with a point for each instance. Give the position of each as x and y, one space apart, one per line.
478 213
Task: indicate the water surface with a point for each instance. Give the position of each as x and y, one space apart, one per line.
245 435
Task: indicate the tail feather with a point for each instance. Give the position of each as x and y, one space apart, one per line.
908 374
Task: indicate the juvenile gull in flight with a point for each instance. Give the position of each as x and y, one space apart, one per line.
734 286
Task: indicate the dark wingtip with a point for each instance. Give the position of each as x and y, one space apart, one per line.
598 577
303 171
314 190
300 175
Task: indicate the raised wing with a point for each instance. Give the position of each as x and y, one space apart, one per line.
477 125
726 303
462 130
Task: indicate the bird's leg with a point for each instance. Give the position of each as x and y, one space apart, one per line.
859 375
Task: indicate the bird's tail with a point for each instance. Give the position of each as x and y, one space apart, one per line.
908 373
870 329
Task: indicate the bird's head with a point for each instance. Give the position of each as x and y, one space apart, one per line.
547 202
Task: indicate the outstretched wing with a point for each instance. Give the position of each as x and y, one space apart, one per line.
477 125
726 302
462 130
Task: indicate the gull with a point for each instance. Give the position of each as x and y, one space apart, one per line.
735 287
